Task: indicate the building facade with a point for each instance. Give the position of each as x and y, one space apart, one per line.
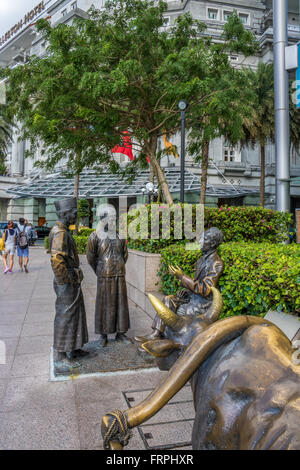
230 167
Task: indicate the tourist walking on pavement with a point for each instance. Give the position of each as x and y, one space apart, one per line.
10 239
23 249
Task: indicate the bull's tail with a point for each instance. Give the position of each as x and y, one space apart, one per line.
115 425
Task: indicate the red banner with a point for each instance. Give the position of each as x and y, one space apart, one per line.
125 146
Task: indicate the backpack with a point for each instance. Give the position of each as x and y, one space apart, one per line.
23 240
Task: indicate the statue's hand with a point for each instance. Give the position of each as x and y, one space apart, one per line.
176 271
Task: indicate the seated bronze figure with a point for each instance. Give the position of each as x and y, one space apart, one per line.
196 298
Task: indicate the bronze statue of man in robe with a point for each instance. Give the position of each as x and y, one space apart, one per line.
107 254
70 327
196 298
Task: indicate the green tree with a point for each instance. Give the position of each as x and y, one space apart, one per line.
120 70
5 137
260 127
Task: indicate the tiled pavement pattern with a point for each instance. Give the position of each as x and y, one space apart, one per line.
38 414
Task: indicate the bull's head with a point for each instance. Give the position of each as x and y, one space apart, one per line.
180 330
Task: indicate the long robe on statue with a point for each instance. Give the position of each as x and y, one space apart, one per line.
70 327
107 257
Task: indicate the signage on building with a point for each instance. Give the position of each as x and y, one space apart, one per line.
23 22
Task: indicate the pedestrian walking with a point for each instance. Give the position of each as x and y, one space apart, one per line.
10 240
22 247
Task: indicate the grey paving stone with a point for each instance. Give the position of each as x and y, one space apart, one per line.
51 429
11 345
35 345
3 385
170 434
37 329
10 331
187 410
14 309
5 369
30 365
289 324
90 416
37 393
185 394
11 318
40 317
98 387
43 309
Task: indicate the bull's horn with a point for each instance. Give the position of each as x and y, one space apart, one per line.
215 310
170 318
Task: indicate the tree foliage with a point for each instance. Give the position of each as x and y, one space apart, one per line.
5 137
120 69
259 127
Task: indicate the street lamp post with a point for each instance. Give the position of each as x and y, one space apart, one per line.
150 190
282 125
182 105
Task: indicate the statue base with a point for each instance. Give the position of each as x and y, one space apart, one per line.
115 357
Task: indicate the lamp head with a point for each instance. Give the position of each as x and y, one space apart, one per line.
183 105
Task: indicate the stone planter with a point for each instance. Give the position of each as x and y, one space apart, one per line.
142 278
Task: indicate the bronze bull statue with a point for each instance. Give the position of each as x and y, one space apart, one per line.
245 384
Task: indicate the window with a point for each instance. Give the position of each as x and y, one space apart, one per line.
232 154
64 12
244 18
74 5
227 15
212 14
234 58
229 154
166 21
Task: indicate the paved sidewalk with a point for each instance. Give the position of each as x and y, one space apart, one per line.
38 414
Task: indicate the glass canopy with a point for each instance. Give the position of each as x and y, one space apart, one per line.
93 185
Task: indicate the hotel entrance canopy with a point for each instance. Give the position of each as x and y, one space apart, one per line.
95 185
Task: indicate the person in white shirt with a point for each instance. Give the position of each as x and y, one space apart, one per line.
10 247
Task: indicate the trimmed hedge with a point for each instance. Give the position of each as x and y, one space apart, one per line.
85 231
257 277
248 224
81 242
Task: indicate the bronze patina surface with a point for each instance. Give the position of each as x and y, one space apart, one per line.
196 297
107 255
70 327
245 384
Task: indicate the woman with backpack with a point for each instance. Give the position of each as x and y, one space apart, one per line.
23 249
10 240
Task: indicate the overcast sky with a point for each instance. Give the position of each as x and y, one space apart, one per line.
11 11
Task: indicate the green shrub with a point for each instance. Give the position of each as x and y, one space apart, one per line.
47 243
84 209
257 277
249 224
85 232
81 242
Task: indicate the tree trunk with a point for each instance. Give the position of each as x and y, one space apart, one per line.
205 152
158 171
76 195
262 174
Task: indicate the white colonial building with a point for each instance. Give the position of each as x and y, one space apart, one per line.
233 171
